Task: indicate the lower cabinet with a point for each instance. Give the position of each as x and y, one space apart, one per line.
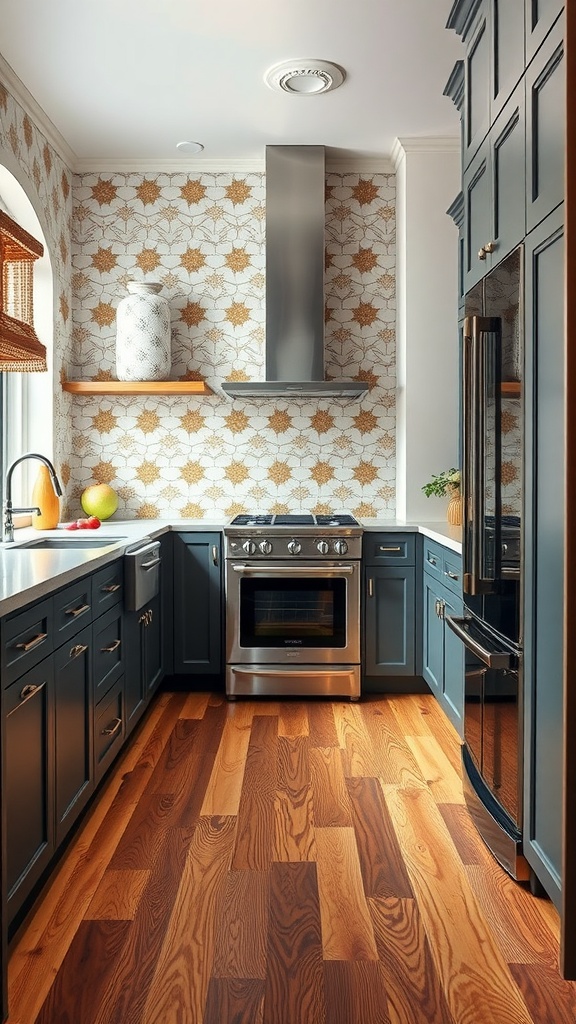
197 604
389 608
442 652
109 728
28 760
143 658
73 717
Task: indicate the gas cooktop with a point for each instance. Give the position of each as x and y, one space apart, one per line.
296 519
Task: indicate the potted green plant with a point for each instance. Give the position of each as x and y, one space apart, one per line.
441 484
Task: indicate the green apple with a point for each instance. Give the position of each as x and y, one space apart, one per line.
99 500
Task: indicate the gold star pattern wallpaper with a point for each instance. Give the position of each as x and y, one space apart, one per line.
202 237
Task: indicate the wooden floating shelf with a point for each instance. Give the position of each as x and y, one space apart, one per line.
137 387
512 388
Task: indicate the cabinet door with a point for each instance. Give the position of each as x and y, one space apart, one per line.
544 544
29 785
453 666
390 623
433 635
540 17
197 603
507 51
153 667
135 691
508 157
478 222
109 728
477 78
73 708
546 119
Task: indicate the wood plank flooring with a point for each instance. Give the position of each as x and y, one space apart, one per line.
292 862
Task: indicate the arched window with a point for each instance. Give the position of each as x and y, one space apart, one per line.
26 399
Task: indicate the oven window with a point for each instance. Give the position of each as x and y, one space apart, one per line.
293 613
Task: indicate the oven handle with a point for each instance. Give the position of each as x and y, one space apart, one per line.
296 570
328 670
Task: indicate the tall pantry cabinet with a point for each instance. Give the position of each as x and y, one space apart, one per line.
513 112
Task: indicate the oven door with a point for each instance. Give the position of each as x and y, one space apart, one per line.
293 613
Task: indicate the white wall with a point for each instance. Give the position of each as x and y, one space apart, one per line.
428 180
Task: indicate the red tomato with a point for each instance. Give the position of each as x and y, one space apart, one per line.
82 524
93 522
71 526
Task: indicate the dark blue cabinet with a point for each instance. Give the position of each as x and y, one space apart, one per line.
73 730
390 608
540 17
442 652
544 577
197 604
545 122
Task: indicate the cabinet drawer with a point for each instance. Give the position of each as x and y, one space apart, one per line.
107 646
26 639
443 564
107 587
109 728
389 548
72 610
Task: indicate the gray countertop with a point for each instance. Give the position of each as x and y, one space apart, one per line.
27 575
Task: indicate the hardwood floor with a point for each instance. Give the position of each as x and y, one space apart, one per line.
287 863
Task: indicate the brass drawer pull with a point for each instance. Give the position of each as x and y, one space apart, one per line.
111 589
370 587
431 560
111 647
29 645
451 575
214 555
78 611
77 649
395 550
112 728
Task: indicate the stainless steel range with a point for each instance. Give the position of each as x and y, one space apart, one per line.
293 605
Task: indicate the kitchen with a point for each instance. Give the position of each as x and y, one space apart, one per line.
202 457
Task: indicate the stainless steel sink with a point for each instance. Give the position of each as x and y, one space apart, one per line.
66 543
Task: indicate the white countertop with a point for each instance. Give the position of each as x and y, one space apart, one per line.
29 574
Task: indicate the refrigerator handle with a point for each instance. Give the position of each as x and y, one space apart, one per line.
492 659
473 428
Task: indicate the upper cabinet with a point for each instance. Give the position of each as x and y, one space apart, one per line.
493 31
545 127
540 17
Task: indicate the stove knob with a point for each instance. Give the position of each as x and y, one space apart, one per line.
340 547
249 547
265 547
294 547
323 547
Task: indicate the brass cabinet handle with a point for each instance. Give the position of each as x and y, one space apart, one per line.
486 250
77 649
451 575
111 589
214 555
29 645
395 550
29 690
370 587
78 611
431 560
112 728
143 619
150 613
111 647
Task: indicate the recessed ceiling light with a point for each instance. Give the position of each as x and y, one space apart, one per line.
189 147
304 77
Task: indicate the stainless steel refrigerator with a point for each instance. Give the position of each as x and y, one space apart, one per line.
491 627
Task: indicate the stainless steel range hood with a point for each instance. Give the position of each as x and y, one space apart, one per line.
295 187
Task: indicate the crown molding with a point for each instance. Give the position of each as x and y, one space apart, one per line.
18 90
430 144
338 165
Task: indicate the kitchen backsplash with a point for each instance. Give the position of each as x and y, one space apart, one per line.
202 237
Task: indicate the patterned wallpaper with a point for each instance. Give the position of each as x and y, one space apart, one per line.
49 183
202 237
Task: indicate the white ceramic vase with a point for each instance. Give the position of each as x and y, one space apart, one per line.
143 333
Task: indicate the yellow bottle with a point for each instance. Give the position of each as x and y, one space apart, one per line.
45 497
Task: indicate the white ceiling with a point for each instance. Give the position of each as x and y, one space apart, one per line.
124 80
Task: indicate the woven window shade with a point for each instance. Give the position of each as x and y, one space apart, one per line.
21 351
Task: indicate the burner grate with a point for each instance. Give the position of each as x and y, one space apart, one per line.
254 520
336 520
